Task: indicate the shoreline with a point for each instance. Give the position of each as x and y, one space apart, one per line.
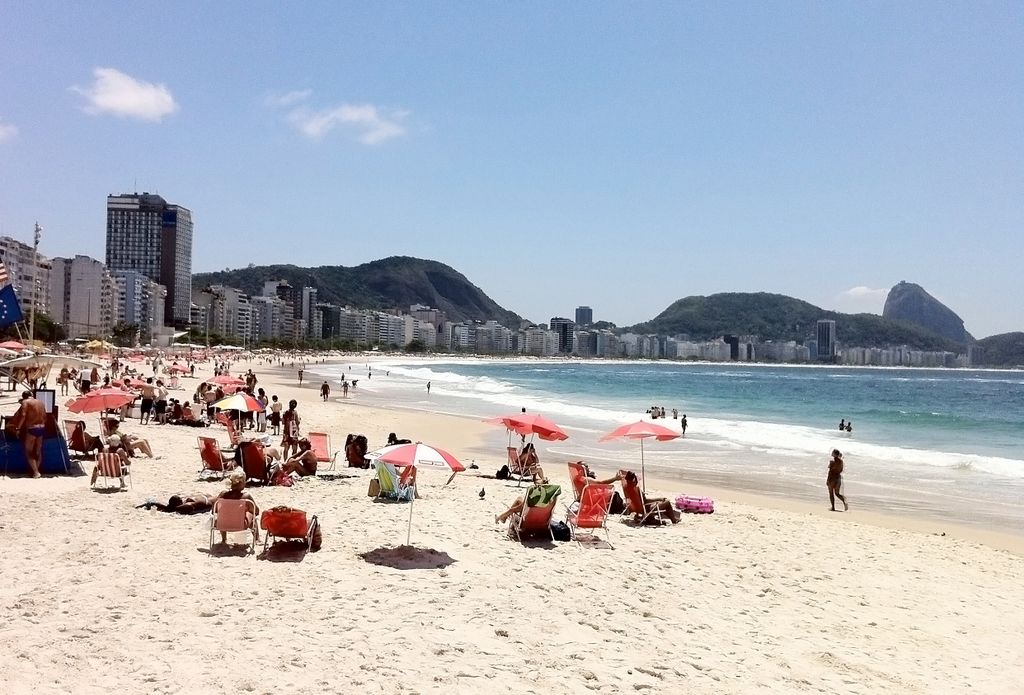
761 492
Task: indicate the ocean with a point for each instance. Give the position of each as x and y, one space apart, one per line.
947 443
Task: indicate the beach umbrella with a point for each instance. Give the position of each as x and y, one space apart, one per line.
419 455
100 400
12 345
641 430
179 368
226 380
98 346
532 424
239 401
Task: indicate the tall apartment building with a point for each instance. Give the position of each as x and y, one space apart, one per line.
22 267
147 234
83 297
826 339
584 316
566 333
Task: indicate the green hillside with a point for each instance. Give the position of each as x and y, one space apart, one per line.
394 282
778 317
1003 350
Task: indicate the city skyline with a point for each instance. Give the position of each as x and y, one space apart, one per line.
820 153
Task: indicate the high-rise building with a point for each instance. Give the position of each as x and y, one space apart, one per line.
83 297
826 339
584 316
140 301
147 234
565 330
22 265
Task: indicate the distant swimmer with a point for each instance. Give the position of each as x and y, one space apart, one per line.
842 424
849 427
834 481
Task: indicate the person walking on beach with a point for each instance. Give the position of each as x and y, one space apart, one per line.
834 481
428 387
683 423
290 420
325 390
344 389
300 376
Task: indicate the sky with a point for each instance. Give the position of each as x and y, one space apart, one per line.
616 155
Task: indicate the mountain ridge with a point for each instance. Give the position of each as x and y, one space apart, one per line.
386 283
910 302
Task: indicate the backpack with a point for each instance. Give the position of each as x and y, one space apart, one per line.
560 531
503 473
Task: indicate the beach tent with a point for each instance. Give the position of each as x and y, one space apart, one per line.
24 369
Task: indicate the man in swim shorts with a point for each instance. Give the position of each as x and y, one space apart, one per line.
30 423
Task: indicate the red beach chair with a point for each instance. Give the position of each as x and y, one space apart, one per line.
110 467
643 513
535 517
285 523
321 445
213 459
592 511
578 476
254 462
74 434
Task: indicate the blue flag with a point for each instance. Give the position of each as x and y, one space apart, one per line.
10 310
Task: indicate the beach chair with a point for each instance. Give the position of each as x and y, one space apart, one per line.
105 429
234 516
535 517
394 486
515 467
578 476
111 467
285 523
229 424
254 462
592 510
643 512
321 444
213 459
74 434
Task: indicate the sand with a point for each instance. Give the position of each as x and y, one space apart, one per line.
100 597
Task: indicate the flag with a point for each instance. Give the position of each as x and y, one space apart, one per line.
5 278
10 310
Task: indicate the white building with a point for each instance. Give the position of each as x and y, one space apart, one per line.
139 301
22 265
82 297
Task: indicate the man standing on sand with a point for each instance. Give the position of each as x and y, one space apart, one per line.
290 420
834 481
325 390
300 376
683 424
30 423
428 388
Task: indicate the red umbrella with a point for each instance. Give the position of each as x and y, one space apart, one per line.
226 380
100 400
641 430
12 345
178 368
421 456
530 423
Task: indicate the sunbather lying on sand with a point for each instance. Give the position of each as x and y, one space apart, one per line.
182 504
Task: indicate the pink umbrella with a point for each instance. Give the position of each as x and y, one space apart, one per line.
226 380
12 345
179 368
530 423
641 430
100 400
419 455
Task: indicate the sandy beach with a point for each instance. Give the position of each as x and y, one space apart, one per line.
765 595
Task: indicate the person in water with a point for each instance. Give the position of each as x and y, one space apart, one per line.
842 424
849 427
834 481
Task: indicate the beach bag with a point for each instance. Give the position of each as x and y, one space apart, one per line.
618 505
285 522
282 478
560 531
374 489
695 505
503 473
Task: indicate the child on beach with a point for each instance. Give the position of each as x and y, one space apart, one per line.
275 415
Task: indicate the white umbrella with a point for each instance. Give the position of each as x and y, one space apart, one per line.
39 366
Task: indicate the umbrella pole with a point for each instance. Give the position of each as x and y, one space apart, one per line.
408 535
643 473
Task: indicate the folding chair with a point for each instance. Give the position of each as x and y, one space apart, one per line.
74 434
535 517
234 516
643 512
592 511
401 488
321 445
285 523
213 459
111 466
254 462
578 476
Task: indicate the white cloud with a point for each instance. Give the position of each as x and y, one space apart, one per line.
288 99
371 125
861 299
8 131
862 292
118 94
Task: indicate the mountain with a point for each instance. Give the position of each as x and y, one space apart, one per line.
394 282
909 302
1003 350
778 317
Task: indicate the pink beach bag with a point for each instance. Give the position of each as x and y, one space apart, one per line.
695 505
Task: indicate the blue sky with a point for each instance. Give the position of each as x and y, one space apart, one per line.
620 155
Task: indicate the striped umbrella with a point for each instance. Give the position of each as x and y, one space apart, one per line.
239 401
